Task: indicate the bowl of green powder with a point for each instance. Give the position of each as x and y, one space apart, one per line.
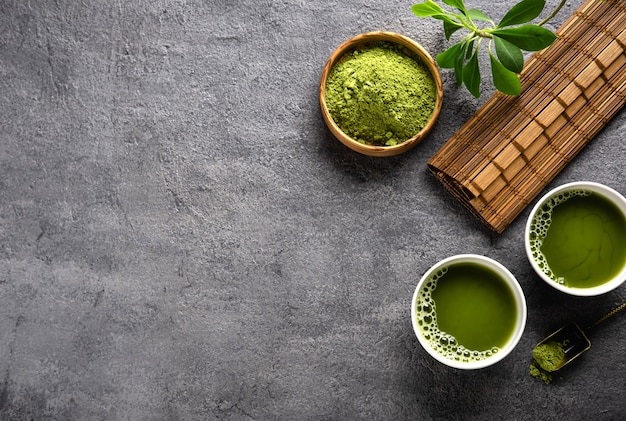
380 93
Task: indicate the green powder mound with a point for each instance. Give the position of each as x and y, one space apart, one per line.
549 356
380 96
537 371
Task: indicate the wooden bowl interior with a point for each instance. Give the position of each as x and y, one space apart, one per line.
362 40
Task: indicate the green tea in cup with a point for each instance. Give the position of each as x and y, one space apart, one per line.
576 238
468 311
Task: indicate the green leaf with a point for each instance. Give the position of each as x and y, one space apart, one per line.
447 58
471 75
450 27
503 79
527 37
509 55
522 12
456 3
426 9
470 49
459 62
475 14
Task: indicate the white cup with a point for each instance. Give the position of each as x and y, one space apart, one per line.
486 359
540 267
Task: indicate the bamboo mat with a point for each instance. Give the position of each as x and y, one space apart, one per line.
512 147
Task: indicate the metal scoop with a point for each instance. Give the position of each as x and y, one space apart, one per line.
567 344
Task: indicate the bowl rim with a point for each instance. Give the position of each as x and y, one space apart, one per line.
365 38
607 192
520 300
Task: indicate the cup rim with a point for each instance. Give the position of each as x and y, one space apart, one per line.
607 192
520 300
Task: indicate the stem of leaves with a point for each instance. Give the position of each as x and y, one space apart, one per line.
553 14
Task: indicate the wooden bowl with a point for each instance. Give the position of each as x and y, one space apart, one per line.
362 40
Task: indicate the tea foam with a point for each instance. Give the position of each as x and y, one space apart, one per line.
539 229
444 343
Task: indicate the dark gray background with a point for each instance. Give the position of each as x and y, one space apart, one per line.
182 238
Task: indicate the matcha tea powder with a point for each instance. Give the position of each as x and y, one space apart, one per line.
381 96
547 358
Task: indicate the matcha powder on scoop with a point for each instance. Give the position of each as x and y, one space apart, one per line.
547 358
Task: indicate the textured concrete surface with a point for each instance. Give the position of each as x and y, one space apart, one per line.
181 238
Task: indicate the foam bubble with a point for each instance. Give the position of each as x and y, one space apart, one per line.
444 343
539 229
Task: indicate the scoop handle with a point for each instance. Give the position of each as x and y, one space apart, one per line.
609 314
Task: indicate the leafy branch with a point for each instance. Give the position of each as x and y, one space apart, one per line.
505 41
